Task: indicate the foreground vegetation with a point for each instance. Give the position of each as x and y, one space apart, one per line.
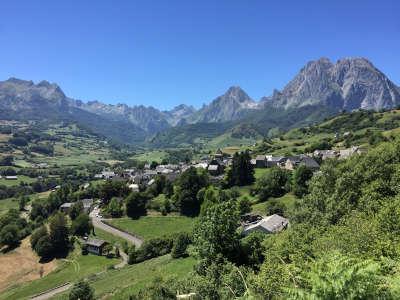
342 243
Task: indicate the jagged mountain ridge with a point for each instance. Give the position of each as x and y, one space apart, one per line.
350 83
148 119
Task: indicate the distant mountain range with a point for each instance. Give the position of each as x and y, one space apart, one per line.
320 88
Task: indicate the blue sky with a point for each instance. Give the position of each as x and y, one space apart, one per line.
164 53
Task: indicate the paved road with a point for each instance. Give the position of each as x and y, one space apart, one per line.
53 292
97 222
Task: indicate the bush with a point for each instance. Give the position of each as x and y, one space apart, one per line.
84 249
150 249
275 207
18 141
181 242
136 205
114 208
132 255
81 291
273 184
44 247
81 225
9 235
37 234
6 160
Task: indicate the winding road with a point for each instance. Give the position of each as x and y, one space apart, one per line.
98 223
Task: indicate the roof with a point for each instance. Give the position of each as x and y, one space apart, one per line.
213 167
87 202
134 186
294 159
261 157
108 173
66 205
276 158
95 242
309 162
271 224
201 165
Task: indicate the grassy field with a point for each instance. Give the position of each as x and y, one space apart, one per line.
226 140
154 226
156 155
70 270
120 284
21 178
9 203
259 172
288 200
6 204
104 235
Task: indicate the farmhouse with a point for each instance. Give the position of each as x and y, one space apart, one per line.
293 162
87 205
326 154
105 175
346 153
261 161
95 246
215 168
270 224
219 154
66 207
274 161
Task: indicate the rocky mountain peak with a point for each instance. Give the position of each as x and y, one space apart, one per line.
236 93
350 83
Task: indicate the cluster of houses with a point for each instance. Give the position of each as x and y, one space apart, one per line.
309 160
86 203
288 163
338 154
136 177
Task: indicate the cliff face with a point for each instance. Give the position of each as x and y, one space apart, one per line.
349 84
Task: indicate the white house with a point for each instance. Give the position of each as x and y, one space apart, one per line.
271 224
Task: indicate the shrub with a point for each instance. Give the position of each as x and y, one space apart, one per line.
180 244
136 205
81 291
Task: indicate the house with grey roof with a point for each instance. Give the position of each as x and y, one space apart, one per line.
261 161
270 224
326 154
293 162
87 205
66 207
275 161
95 246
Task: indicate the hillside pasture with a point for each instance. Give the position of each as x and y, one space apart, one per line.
75 267
22 265
149 227
120 284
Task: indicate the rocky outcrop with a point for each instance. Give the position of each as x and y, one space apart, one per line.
350 83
